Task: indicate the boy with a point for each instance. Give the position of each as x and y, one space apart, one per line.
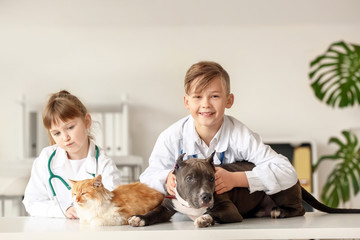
208 129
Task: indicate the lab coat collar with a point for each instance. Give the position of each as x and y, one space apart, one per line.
90 164
190 137
223 135
60 160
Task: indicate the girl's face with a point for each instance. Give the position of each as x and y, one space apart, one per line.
207 107
72 136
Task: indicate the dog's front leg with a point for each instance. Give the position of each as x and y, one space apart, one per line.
224 211
161 213
225 214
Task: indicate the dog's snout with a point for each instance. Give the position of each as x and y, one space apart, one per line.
206 197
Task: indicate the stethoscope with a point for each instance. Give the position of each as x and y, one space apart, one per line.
52 175
222 155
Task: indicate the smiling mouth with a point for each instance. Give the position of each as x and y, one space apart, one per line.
206 114
69 145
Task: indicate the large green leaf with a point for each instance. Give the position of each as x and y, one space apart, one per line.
335 75
346 173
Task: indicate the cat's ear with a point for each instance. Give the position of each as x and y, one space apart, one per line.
97 181
72 181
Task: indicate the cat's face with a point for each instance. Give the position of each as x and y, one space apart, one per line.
86 190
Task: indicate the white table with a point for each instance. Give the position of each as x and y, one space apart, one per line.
312 225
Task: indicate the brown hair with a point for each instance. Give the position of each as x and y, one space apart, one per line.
205 72
62 106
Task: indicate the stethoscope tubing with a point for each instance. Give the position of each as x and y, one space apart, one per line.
52 175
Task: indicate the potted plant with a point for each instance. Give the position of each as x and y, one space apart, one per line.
335 80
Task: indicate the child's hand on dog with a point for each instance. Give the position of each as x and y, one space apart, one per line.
225 180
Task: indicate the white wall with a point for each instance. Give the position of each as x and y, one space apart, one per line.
99 49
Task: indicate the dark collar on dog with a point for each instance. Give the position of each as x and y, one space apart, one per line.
170 197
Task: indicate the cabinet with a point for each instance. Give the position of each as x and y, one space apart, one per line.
111 132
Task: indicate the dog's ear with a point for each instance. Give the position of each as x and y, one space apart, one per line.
179 162
211 159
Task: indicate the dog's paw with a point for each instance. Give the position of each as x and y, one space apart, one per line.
275 213
136 221
204 221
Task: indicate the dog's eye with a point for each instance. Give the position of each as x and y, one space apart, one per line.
188 179
212 179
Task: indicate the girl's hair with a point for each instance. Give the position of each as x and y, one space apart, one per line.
205 72
62 106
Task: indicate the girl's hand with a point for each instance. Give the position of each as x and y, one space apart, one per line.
71 213
224 180
170 183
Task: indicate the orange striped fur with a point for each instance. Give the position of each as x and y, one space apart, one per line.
98 206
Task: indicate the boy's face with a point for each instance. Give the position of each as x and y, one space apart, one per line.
207 106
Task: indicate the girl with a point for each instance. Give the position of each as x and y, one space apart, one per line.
73 155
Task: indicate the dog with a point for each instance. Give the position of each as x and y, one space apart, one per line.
195 197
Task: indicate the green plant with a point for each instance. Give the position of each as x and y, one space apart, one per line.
335 79
336 75
345 174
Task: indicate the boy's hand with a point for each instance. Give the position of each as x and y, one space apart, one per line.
170 183
71 213
224 180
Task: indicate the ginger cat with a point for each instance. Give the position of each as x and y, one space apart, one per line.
98 206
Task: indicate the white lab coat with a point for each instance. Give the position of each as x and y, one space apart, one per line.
38 197
273 172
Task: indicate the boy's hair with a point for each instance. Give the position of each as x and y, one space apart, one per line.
62 106
205 72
